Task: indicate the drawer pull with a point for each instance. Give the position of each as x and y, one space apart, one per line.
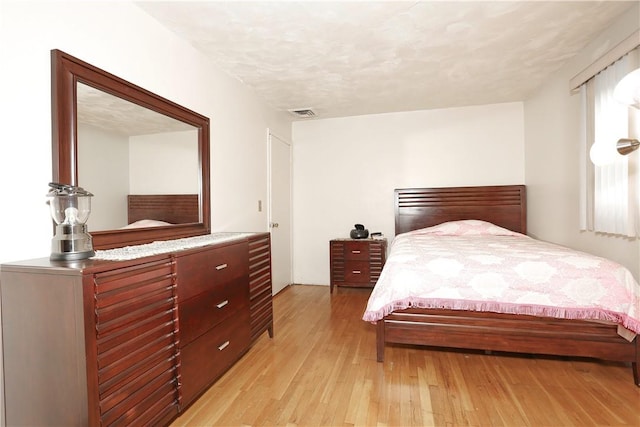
221 267
223 303
355 252
356 271
223 346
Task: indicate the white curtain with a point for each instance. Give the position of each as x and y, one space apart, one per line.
610 192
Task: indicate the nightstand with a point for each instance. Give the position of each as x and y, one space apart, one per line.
356 262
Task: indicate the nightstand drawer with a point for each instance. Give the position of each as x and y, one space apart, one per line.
357 272
356 250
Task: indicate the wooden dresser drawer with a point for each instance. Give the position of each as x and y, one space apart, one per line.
208 357
356 250
201 313
357 272
199 270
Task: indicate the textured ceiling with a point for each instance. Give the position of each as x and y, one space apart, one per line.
112 114
364 57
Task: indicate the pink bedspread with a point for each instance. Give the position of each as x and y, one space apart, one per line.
474 265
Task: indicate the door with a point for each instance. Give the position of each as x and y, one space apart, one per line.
279 211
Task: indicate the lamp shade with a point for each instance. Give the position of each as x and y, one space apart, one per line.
627 91
602 154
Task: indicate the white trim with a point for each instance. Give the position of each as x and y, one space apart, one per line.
617 52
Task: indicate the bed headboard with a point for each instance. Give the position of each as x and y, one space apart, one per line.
503 205
172 208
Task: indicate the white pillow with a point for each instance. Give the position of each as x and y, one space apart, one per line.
467 227
144 223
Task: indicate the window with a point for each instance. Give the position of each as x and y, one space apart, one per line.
610 196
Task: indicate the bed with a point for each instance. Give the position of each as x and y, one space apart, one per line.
444 326
147 210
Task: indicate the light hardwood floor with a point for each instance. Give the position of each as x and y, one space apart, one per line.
320 369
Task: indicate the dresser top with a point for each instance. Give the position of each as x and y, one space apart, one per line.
128 255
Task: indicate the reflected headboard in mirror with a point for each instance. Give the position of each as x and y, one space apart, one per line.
114 138
163 208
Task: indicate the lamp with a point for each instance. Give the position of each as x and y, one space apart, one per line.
627 145
603 154
70 208
627 91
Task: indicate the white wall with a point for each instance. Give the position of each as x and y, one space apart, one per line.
104 154
552 151
120 38
164 163
345 170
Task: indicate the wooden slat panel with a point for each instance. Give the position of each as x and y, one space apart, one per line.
113 384
377 259
260 285
171 208
129 314
137 341
336 249
425 207
121 391
141 400
125 277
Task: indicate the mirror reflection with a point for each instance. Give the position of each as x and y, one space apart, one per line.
126 149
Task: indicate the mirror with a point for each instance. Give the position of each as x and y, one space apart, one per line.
145 159
134 147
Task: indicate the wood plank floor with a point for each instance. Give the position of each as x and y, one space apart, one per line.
320 369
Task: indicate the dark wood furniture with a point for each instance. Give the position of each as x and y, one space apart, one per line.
356 262
260 285
504 206
213 307
171 208
128 342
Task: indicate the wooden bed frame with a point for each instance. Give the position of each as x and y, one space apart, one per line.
171 208
504 206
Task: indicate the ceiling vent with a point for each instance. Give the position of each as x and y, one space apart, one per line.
303 112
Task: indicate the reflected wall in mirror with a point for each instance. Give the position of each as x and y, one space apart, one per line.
136 148
142 156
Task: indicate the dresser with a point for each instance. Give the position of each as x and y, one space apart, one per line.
356 262
131 342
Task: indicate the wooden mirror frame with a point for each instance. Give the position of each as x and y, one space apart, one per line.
66 72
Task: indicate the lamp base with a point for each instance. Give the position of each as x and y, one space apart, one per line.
71 256
71 243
